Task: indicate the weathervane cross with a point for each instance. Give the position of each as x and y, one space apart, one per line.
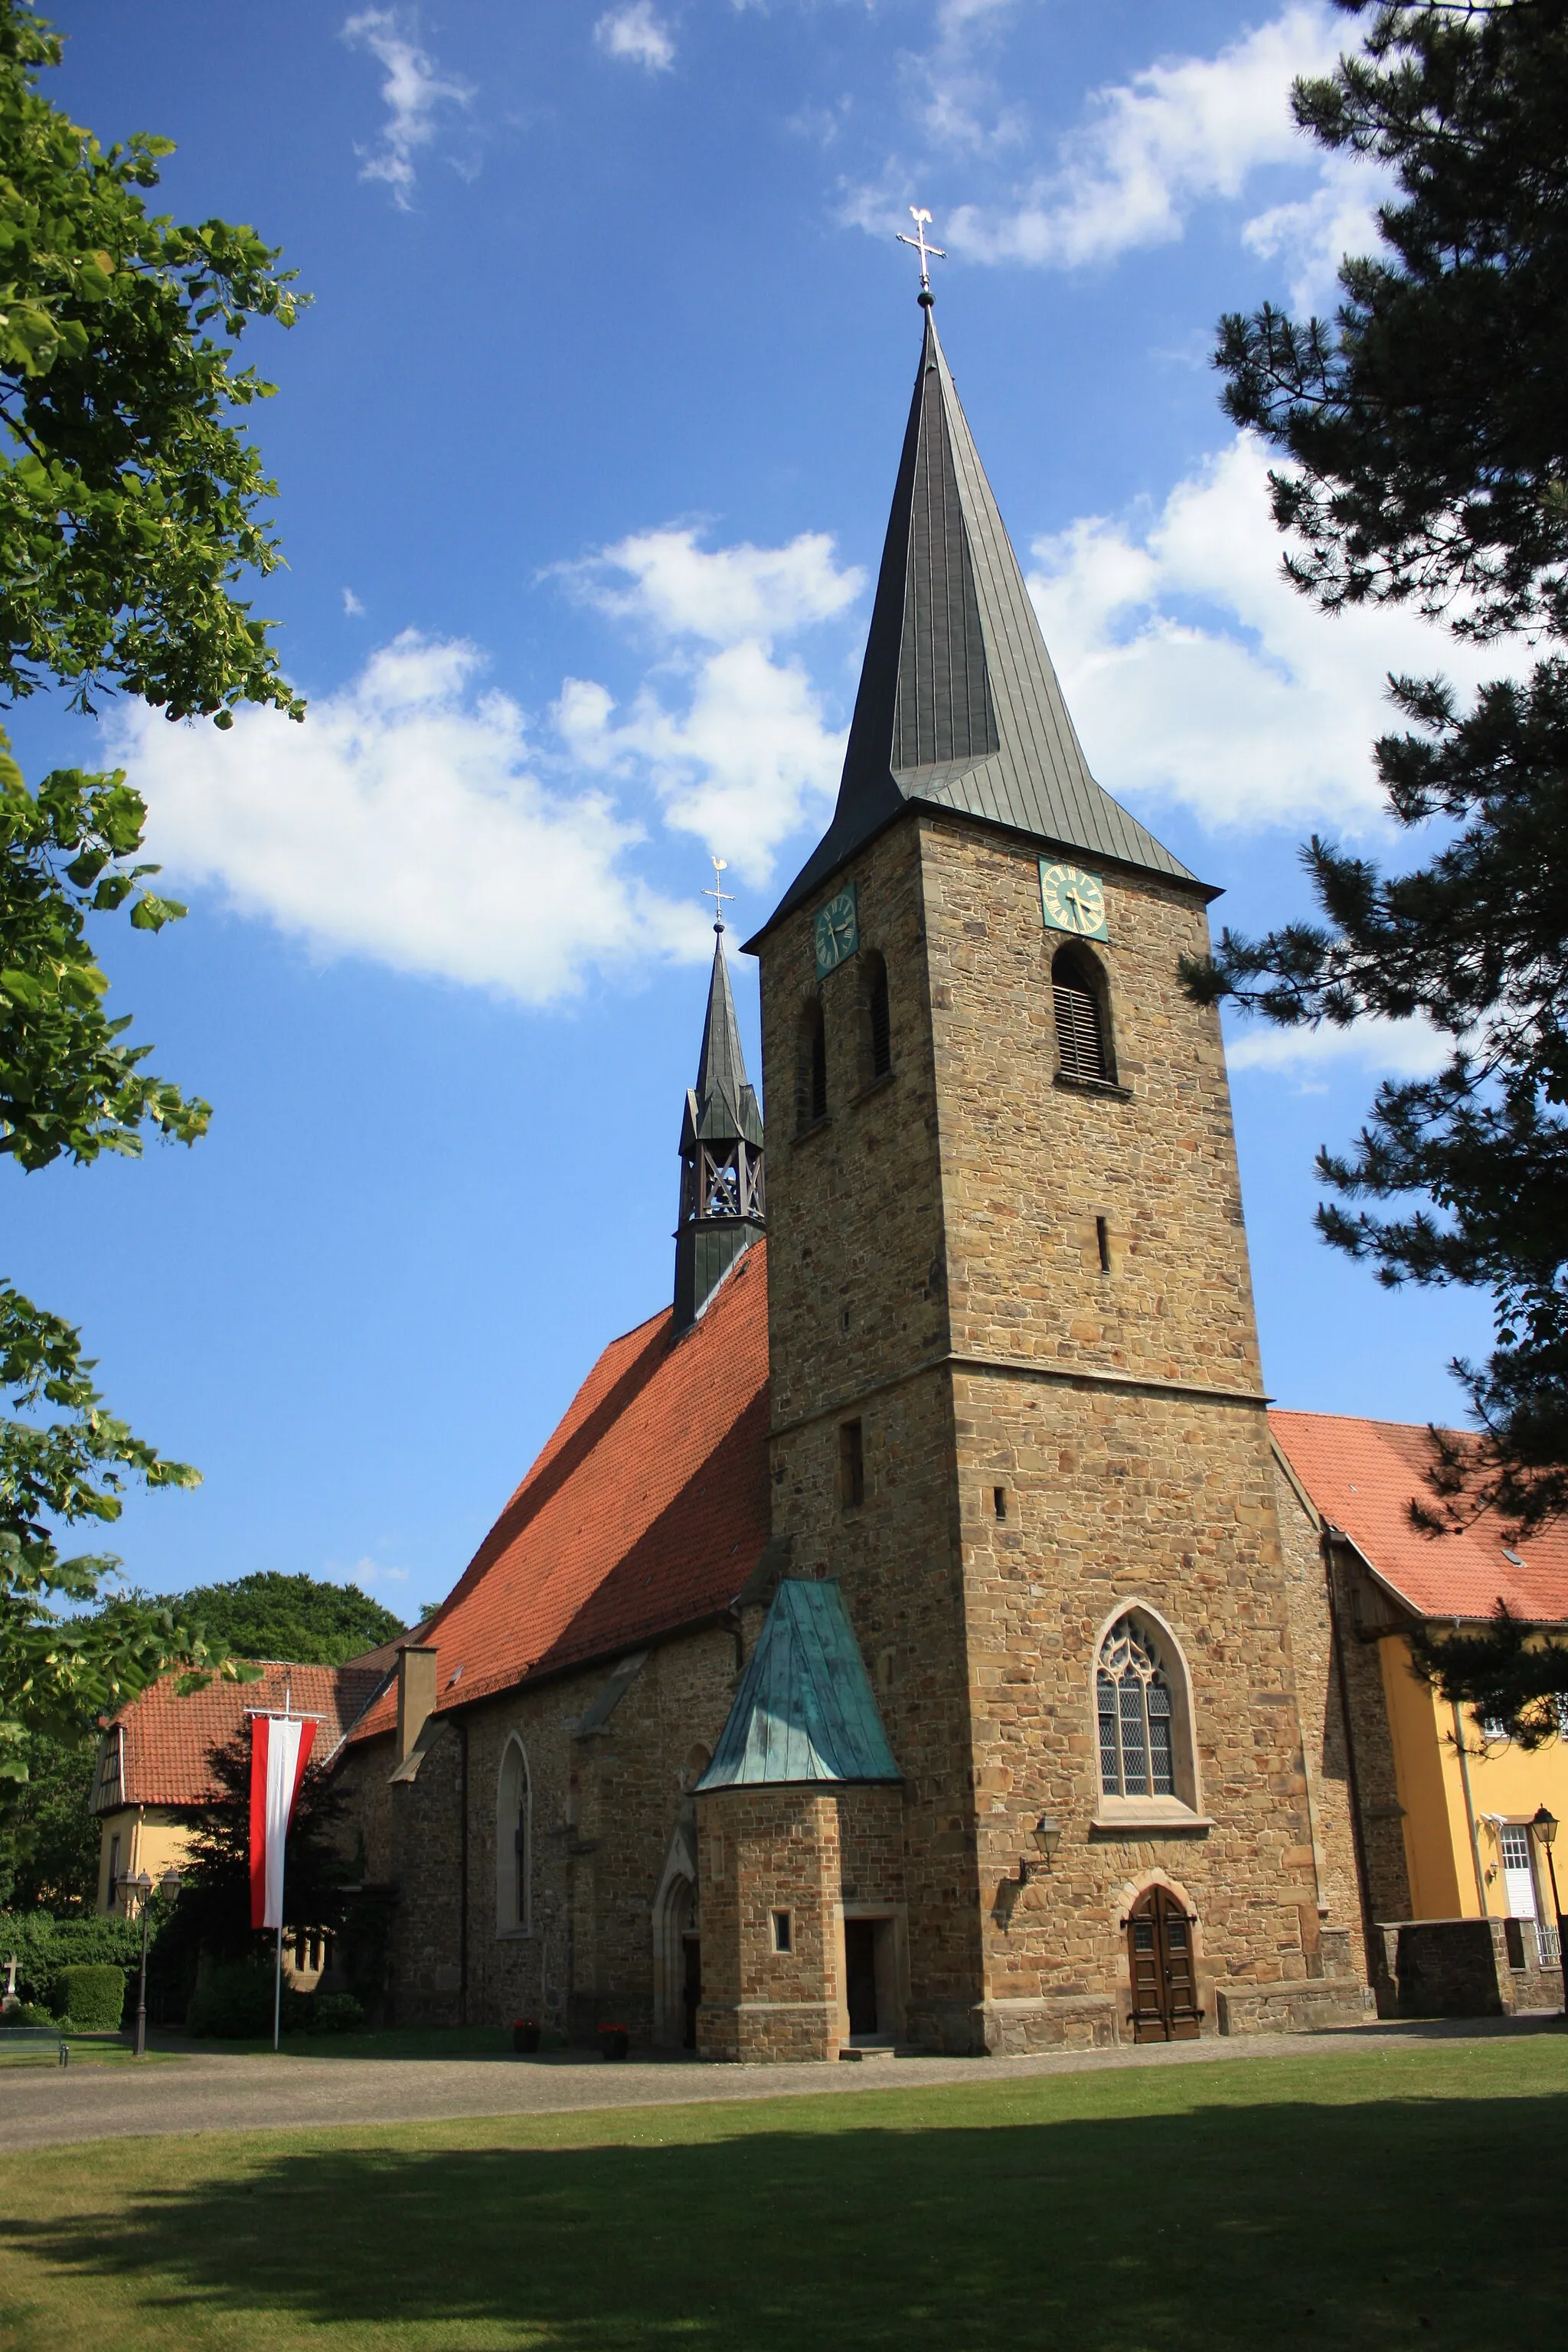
720 896
928 253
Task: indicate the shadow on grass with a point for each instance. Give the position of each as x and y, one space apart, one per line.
396 2042
1227 2225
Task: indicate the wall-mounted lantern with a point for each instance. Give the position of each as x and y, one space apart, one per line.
1046 1834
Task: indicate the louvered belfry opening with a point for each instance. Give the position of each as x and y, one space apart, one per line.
1081 1022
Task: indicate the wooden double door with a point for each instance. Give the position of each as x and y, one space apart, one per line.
1159 1962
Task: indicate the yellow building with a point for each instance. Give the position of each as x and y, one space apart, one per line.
1444 1804
154 1766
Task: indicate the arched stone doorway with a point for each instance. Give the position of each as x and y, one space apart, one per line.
677 1962
1162 1969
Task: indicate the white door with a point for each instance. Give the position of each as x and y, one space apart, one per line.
1518 1877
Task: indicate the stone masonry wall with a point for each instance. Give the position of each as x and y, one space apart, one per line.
1043 1440
762 1852
857 1326
611 1828
1119 1410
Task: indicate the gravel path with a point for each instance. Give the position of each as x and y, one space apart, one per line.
41 2107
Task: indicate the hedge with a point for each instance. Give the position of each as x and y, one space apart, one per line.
43 1947
233 2003
92 1996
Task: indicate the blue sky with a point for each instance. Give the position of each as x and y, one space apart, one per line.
584 455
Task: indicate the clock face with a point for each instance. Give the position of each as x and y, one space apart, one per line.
1072 900
837 931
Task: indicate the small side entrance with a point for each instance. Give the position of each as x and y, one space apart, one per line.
691 1987
861 1976
1160 1961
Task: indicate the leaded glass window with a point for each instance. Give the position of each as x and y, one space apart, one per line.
1133 1697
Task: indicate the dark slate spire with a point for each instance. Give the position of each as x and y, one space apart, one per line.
721 1197
959 704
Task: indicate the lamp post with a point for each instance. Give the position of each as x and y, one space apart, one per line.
1545 1827
141 1884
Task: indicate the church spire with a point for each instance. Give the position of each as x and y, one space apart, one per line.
722 1196
959 704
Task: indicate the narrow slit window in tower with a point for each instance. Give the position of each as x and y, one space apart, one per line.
1102 1239
851 1465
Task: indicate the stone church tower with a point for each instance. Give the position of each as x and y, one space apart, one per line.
1018 1428
892 1644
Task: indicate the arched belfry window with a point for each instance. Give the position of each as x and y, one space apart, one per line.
1083 1028
879 1021
813 1085
514 1840
1134 1701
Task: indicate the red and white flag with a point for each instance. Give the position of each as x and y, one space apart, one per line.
279 1750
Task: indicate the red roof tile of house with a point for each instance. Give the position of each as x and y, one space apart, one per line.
646 1510
1362 1475
167 1739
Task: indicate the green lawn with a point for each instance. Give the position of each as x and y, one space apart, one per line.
1376 2198
83 2052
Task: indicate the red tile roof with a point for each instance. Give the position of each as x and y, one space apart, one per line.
168 1740
1362 1475
646 1510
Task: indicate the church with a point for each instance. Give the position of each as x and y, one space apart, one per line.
895 1646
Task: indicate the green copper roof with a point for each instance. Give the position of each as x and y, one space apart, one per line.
959 705
805 1709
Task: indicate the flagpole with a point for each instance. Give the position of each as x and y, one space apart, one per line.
282 1864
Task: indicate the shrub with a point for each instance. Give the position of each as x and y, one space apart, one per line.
26 2012
233 2003
335 2012
92 1996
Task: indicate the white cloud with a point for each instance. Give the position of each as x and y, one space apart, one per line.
636 34
363 1571
1399 1049
402 822
414 91
746 762
721 595
1196 674
414 819
1182 132
960 104
1313 235
353 609
748 757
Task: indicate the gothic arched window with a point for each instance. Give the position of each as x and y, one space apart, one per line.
1083 1028
879 1021
1133 1702
513 1843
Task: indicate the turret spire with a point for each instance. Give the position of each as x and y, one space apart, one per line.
721 1194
